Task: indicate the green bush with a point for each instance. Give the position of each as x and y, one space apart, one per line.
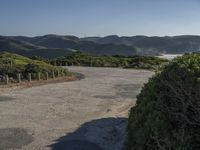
167 113
136 62
11 70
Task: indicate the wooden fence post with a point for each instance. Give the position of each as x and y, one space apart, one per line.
58 73
6 79
62 72
53 74
47 76
19 78
39 76
29 77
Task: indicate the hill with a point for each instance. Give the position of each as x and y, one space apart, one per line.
72 42
173 45
13 45
11 64
53 46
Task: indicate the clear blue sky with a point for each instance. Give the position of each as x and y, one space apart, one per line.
99 17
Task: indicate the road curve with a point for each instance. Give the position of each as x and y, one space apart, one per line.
89 114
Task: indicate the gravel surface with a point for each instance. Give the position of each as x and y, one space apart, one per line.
89 114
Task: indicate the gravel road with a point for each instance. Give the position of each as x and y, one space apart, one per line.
89 114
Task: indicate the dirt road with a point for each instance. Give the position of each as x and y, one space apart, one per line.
89 114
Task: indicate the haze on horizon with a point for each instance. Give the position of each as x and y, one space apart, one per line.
100 17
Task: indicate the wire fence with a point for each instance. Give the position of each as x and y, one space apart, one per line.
19 77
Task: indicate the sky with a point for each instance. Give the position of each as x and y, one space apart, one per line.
100 17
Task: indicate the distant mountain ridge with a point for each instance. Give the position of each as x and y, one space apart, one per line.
52 46
167 44
25 48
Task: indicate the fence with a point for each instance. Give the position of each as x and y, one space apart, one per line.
18 78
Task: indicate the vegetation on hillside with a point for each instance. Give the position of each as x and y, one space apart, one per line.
167 113
11 64
136 62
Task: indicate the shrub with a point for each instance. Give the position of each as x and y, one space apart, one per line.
136 62
167 113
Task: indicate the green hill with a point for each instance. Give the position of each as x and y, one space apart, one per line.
72 42
24 48
154 45
54 46
11 64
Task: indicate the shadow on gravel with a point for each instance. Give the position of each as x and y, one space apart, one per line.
128 90
80 76
101 134
5 98
14 138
